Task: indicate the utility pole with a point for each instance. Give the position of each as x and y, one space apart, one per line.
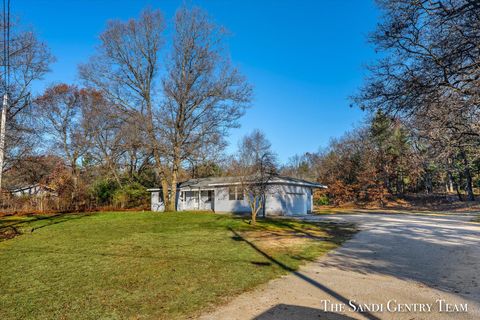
6 80
3 122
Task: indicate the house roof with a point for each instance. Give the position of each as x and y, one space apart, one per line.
202 183
33 186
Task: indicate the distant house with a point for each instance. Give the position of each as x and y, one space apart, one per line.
289 197
39 190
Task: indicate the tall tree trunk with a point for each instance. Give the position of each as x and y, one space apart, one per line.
468 177
165 192
160 170
173 192
428 183
450 182
254 214
75 188
400 182
264 206
469 185
457 190
113 170
255 206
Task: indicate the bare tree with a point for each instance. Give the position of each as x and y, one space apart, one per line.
256 167
103 125
205 96
60 109
124 70
30 170
29 60
431 52
137 157
300 166
430 69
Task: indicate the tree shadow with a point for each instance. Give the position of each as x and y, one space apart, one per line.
335 231
439 252
300 275
292 312
9 230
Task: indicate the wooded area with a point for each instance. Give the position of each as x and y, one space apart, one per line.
140 120
423 94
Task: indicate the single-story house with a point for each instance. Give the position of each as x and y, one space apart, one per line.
286 196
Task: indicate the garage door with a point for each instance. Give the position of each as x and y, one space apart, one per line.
295 204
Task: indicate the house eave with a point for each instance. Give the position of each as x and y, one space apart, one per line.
211 186
303 184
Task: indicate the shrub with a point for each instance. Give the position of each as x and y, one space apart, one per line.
103 191
322 200
133 195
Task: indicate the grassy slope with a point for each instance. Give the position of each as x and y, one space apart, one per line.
137 265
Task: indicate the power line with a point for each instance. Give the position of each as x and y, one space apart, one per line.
8 44
5 68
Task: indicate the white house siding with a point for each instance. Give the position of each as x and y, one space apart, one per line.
288 200
283 199
223 204
191 200
205 203
157 203
309 200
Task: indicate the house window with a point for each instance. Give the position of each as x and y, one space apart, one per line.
191 196
207 195
239 194
231 193
235 193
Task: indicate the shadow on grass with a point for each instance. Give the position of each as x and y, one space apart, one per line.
35 222
300 275
335 232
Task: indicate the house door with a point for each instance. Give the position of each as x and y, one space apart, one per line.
191 200
206 200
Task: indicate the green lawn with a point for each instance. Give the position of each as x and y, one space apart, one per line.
145 265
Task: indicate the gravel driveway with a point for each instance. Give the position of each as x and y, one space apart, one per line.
397 267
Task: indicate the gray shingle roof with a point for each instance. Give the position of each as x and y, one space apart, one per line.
206 182
225 181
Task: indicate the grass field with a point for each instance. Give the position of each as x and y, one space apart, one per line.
145 265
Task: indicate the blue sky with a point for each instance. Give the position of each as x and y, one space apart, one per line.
304 58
